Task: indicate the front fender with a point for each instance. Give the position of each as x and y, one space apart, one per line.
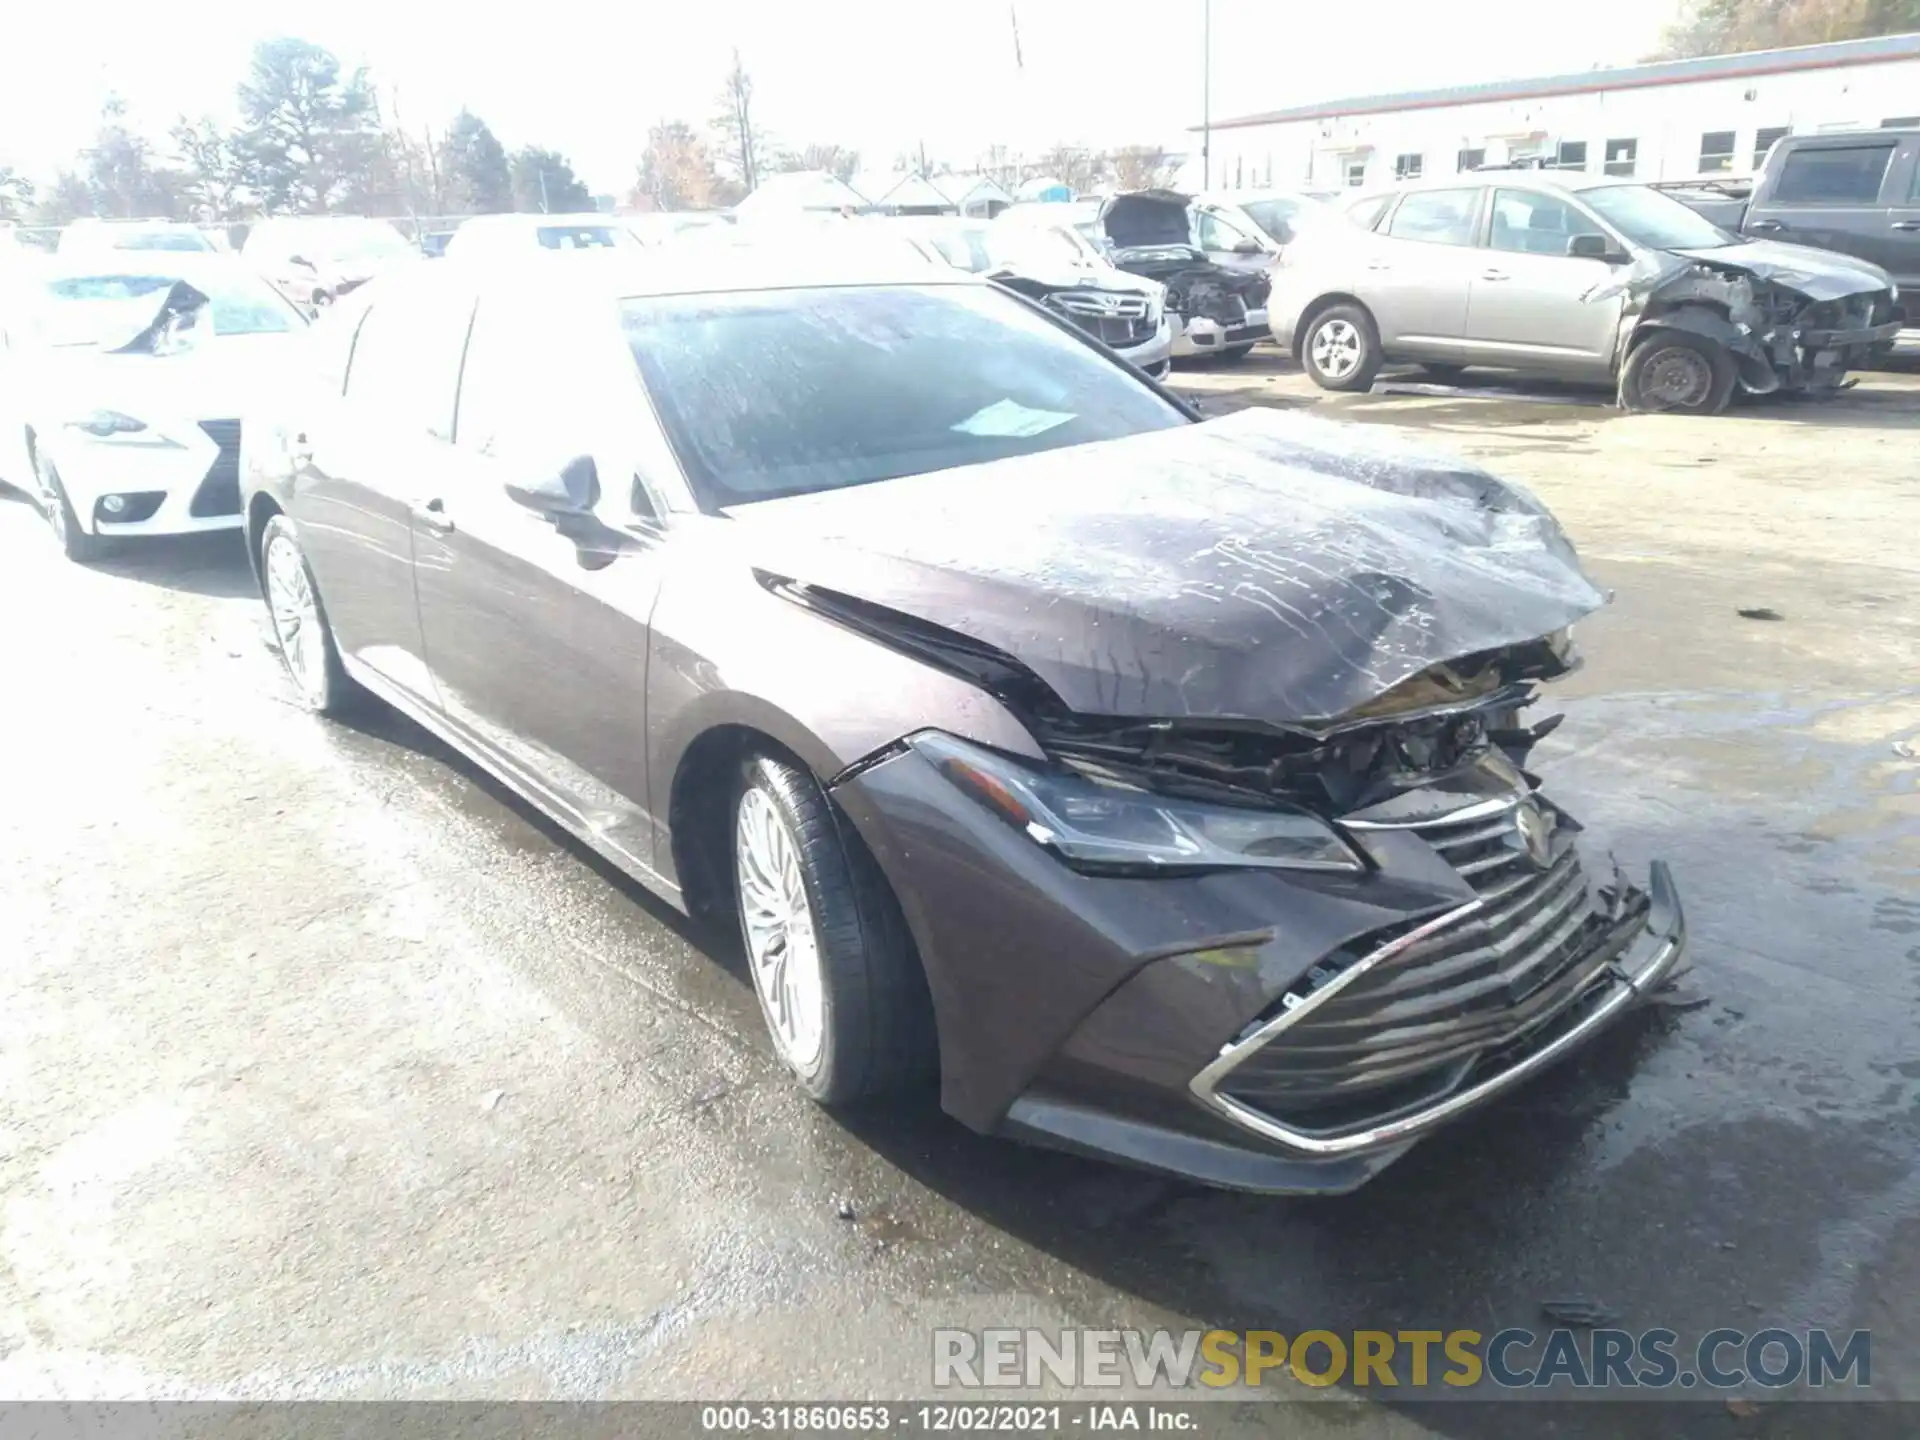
1750 360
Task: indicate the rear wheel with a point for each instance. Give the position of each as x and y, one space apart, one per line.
1341 349
833 967
1675 370
76 543
300 627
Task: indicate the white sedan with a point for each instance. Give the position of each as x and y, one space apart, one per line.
123 389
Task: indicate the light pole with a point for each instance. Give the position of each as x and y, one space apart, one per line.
1206 95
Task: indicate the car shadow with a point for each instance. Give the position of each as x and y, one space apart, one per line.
385 726
214 564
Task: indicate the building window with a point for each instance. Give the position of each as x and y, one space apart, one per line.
1470 160
1356 173
1407 167
1901 122
1716 151
1571 155
1763 142
1621 155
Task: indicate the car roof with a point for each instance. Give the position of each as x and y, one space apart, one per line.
1570 182
534 220
784 262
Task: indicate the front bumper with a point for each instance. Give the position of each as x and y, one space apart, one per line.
177 480
1127 1018
1202 335
1152 355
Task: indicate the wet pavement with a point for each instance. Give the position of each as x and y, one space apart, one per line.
328 1071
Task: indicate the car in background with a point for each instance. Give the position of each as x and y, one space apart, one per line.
89 236
1855 192
1576 277
1229 237
658 227
1215 309
1059 268
1158 788
125 385
489 236
1276 214
315 259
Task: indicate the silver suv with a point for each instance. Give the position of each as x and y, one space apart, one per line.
1578 277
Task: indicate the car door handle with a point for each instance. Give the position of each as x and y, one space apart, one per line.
300 450
1906 224
1767 225
1378 265
1495 275
433 515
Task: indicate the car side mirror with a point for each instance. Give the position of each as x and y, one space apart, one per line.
1595 247
1247 247
301 261
567 491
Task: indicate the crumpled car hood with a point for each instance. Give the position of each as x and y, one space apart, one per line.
1817 274
1259 566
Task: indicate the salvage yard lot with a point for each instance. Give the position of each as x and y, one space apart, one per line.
326 1071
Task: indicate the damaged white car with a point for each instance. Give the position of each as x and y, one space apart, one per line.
1575 277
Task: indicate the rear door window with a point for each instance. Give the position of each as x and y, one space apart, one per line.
1834 175
406 359
1440 217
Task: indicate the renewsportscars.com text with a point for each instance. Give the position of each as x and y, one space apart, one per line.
1461 1359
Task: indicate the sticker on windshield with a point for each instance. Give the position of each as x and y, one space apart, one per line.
1009 419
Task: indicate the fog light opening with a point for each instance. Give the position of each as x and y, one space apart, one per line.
114 504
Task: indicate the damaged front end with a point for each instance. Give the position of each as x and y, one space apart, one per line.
1787 325
1275 892
1148 233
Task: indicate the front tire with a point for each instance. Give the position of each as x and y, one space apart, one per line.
300 628
77 544
835 971
1673 370
1341 349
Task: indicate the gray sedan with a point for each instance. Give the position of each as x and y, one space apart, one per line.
1576 277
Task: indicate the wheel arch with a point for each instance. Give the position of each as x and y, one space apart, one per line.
1320 307
262 508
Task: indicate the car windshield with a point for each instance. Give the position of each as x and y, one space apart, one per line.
332 240
1277 217
187 240
965 249
787 392
576 237
1660 222
84 310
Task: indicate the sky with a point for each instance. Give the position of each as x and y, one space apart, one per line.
882 76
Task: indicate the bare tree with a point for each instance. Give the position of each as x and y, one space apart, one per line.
1140 167
1074 165
744 142
16 194
212 169
1001 165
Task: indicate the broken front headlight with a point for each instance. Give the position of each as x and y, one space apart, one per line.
1098 826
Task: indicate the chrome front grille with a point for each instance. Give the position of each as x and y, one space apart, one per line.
1113 317
1412 1021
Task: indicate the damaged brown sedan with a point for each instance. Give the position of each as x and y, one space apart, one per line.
1159 788
1575 277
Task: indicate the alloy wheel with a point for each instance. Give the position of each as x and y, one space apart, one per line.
777 920
296 616
1337 349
